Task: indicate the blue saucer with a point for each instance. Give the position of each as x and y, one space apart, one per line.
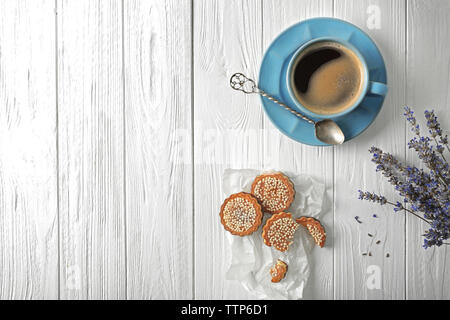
272 78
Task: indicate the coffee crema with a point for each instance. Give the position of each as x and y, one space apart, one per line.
327 78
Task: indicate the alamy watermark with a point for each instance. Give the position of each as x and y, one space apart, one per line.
374 18
373 281
73 277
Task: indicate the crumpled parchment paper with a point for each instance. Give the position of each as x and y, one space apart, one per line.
251 259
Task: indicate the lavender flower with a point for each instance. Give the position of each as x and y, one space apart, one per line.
371 197
425 194
412 120
434 127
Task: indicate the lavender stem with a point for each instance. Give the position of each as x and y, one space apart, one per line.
410 212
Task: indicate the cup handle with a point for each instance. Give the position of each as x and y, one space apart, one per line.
378 88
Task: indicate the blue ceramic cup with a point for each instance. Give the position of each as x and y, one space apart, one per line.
368 87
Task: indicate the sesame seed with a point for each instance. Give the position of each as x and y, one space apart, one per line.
240 214
281 233
273 193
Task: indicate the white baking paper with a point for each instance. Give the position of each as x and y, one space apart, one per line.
251 259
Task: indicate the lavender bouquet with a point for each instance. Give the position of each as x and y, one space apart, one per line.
426 192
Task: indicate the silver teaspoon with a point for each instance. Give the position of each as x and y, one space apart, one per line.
326 130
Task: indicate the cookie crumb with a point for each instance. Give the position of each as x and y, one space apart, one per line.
278 271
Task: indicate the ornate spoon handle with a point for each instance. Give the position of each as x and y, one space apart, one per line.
240 82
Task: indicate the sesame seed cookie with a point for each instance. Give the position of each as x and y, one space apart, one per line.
278 271
315 228
241 214
279 231
274 191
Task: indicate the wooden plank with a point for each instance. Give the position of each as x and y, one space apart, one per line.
227 128
158 149
354 170
428 72
91 149
28 166
284 154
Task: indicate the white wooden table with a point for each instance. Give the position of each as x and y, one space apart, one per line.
117 121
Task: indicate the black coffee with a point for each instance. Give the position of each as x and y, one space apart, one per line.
327 77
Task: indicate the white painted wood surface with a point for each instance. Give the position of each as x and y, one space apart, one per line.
285 154
227 128
428 84
158 171
28 166
116 124
353 170
91 150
